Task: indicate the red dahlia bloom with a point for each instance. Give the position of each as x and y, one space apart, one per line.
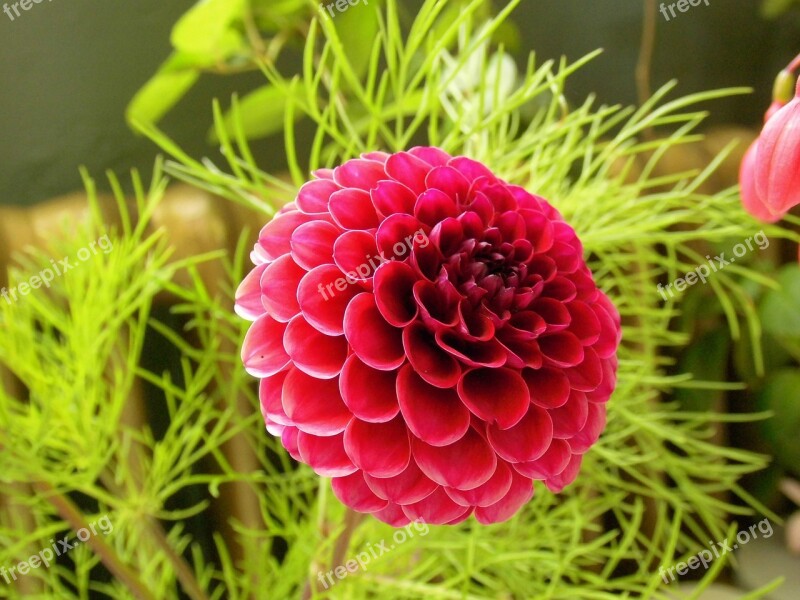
429 336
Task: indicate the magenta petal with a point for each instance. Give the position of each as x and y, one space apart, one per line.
356 254
518 495
354 492
325 455
570 418
550 464
559 482
393 285
435 157
588 436
472 354
353 209
312 352
463 465
435 416
323 295
449 181
776 173
406 488
262 350
527 440
276 235
488 493
270 391
751 200
584 322
314 195
248 295
434 206
289 441
391 197
471 169
588 375
495 395
279 283
359 173
409 169
392 515
395 236
436 509
378 449
554 313
314 405
608 342
312 244
561 349
374 341
433 364
370 394
548 387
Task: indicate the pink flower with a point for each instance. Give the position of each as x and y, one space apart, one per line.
429 336
777 162
747 183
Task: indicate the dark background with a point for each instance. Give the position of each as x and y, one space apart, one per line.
69 67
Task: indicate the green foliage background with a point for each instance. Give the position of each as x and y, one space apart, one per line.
650 493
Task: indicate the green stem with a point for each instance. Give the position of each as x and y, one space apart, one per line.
70 513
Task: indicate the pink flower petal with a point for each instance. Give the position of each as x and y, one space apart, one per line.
353 209
570 418
289 441
391 197
325 455
392 515
449 181
488 493
550 464
270 391
527 440
356 254
275 236
435 157
408 487
353 491
434 415
314 195
359 173
436 509
567 476
312 244
433 206
518 495
370 394
393 284
548 387
472 354
378 449
374 341
323 295
279 283
479 389
248 295
561 349
314 405
262 350
395 236
588 375
588 436
312 352
463 465
433 364
408 169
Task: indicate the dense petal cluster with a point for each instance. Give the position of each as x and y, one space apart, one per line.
428 336
769 176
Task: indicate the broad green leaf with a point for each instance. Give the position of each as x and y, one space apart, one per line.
206 29
781 394
261 113
357 26
779 311
162 91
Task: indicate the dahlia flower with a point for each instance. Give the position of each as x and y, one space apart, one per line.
429 337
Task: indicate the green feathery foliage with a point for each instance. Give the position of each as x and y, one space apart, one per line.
650 493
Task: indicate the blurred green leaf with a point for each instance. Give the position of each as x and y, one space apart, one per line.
357 27
206 29
162 91
706 359
772 9
260 113
779 311
781 395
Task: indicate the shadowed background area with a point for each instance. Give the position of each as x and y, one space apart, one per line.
68 69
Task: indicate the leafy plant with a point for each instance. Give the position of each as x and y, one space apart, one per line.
650 491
